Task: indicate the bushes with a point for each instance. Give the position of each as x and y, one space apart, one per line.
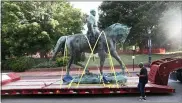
7 64
19 64
23 63
40 60
62 61
46 64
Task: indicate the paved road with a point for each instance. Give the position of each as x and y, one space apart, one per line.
175 97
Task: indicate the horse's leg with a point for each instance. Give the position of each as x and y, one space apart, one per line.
102 56
69 65
102 60
67 77
116 56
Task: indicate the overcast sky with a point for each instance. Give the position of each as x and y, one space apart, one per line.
87 6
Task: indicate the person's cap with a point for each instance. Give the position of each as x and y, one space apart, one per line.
140 64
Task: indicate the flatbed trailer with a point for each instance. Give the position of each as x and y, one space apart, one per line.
158 80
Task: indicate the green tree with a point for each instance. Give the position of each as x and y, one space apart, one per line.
141 16
29 27
10 21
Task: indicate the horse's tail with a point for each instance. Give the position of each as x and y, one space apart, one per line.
59 46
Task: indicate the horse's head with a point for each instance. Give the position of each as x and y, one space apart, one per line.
118 32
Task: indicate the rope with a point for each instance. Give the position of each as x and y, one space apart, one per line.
89 59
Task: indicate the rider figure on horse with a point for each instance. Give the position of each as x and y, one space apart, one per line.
93 31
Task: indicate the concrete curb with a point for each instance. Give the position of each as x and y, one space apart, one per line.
9 77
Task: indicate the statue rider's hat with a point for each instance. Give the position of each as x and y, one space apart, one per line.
92 10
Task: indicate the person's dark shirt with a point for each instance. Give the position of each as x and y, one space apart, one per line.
143 71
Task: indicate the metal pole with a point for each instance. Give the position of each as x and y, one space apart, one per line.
150 50
181 27
133 60
133 57
149 45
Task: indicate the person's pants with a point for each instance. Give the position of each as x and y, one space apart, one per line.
141 88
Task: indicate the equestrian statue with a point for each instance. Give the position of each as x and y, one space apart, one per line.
84 43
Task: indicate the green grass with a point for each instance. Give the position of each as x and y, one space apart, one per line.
127 59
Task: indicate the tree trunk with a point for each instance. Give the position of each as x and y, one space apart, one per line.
124 47
3 57
46 55
41 55
141 47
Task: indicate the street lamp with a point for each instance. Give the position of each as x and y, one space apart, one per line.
149 45
181 26
133 57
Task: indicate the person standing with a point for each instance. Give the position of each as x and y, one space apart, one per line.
143 80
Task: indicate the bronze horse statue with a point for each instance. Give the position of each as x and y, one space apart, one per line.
79 43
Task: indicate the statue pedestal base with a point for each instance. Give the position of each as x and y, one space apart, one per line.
92 78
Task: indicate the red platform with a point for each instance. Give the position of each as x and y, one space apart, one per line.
41 86
37 86
9 77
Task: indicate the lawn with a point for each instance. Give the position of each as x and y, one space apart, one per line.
127 59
